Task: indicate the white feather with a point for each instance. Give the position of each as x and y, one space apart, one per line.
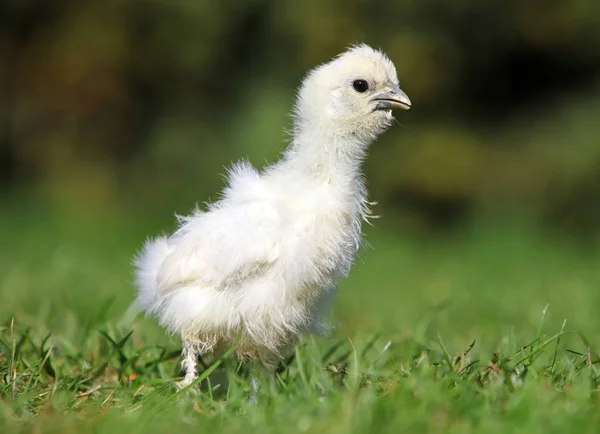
263 261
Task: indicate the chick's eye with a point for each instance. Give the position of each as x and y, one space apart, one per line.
360 85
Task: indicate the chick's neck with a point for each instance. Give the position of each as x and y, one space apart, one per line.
325 154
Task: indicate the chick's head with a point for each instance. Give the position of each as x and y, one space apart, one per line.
352 94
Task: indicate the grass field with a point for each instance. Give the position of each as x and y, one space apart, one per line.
490 329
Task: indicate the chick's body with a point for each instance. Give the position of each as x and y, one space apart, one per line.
262 263
259 260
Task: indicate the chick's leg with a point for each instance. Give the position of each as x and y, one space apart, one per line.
255 385
189 363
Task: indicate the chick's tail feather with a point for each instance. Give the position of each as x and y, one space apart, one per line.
147 263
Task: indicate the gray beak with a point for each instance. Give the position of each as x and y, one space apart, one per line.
394 98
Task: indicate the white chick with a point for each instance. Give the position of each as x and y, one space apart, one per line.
261 265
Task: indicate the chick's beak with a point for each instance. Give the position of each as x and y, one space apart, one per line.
394 98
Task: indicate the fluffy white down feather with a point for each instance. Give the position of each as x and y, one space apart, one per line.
263 261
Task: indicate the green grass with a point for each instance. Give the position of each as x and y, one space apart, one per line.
492 329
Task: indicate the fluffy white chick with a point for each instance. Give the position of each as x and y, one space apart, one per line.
262 263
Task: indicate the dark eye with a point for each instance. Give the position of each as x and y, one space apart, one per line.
360 85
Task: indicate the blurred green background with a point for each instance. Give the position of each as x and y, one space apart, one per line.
141 103
116 114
